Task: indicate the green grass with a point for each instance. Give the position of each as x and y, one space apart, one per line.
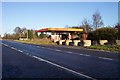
37 41
112 48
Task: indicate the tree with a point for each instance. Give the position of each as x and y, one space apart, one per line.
86 26
18 30
97 20
107 33
117 26
23 30
35 34
30 34
42 35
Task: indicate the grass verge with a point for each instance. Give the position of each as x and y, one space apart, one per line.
112 48
37 41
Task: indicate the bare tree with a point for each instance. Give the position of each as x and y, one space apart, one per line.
86 26
97 20
18 30
23 30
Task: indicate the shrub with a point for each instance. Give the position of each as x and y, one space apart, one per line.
106 33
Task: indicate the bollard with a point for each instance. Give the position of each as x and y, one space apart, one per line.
76 42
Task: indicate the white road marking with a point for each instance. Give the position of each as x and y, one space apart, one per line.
57 50
38 58
86 55
60 50
20 50
68 52
27 53
13 48
81 54
98 50
80 74
105 58
5 44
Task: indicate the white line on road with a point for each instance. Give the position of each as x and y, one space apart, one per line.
13 48
5 44
20 50
27 53
68 52
38 58
80 74
57 50
81 54
86 55
105 58
61 50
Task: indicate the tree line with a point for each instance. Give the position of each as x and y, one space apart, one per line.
20 33
95 30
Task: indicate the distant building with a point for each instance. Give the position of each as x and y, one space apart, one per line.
61 33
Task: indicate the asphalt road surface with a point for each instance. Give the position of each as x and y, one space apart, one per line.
37 61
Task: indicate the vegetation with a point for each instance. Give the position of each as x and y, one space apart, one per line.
117 27
106 33
86 26
97 20
113 48
43 41
94 31
11 36
30 34
20 31
42 35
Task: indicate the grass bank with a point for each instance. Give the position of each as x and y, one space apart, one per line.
38 41
112 48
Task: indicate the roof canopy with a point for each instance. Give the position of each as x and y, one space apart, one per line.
60 30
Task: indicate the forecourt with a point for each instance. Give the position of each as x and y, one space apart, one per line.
57 62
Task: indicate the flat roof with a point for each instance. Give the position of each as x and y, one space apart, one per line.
60 30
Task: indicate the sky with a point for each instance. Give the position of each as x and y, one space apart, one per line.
60 0
37 15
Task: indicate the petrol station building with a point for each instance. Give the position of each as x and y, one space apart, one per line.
66 35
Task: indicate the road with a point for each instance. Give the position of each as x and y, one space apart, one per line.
37 61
